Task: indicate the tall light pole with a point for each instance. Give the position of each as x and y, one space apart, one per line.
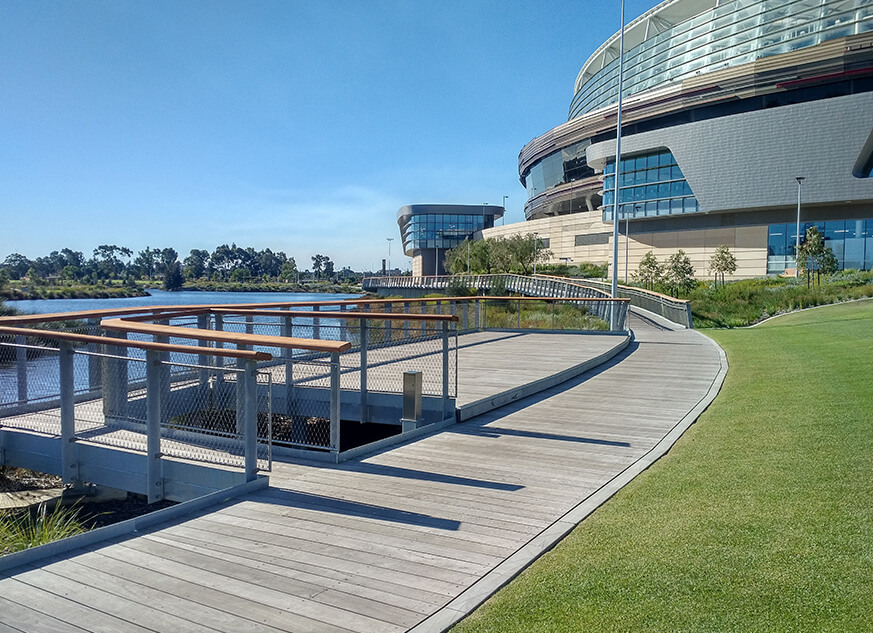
389 240
615 217
536 243
504 209
799 180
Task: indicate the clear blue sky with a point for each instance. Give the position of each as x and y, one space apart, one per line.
300 126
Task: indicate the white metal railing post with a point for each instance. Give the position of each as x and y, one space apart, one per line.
250 418
166 378
334 403
445 399
387 335
203 359
114 379
69 462
365 344
219 327
344 325
94 381
250 324
154 396
21 367
241 392
288 355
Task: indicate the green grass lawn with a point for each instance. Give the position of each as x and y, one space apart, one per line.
759 519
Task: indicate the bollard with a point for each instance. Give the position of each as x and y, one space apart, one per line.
411 413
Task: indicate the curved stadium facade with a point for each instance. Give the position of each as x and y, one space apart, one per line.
725 105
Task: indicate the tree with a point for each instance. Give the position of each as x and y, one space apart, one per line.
649 271
17 265
173 276
721 262
679 273
288 272
108 260
815 256
525 250
195 264
318 264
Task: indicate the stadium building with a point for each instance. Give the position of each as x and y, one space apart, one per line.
726 105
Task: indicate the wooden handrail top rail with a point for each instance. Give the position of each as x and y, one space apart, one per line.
91 314
146 345
472 298
314 345
341 314
581 282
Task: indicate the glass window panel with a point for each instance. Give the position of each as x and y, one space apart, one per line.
686 189
664 190
677 188
664 173
651 192
676 205
676 173
639 193
690 205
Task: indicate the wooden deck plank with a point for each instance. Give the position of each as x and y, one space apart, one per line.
138 593
275 617
391 592
63 609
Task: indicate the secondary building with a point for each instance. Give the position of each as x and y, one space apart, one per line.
732 110
429 230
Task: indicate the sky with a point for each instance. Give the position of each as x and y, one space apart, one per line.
299 126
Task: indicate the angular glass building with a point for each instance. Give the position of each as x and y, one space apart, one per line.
429 230
725 104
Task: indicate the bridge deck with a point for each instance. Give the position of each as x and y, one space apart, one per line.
406 539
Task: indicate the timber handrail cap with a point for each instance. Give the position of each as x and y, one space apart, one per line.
314 345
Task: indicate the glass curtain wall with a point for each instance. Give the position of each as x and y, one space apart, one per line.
444 230
850 240
729 35
651 185
563 166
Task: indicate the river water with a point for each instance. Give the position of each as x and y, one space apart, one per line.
162 297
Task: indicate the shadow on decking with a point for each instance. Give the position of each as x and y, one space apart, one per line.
494 432
333 505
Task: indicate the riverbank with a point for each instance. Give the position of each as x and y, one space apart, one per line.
17 292
31 293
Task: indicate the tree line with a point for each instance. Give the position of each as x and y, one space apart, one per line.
516 253
111 262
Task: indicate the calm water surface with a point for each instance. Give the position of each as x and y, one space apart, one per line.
161 298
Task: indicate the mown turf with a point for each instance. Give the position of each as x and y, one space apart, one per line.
759 519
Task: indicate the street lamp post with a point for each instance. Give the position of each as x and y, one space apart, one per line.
799 180
504 209
536 243
615 216
389 240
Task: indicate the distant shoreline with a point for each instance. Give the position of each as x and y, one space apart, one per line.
124 292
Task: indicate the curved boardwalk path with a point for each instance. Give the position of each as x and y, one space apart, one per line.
409 539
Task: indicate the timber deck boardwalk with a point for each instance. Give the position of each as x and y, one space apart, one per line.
407 539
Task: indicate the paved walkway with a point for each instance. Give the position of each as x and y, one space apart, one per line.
409 539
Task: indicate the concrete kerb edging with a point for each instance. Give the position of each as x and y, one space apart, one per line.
122 528
489 584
